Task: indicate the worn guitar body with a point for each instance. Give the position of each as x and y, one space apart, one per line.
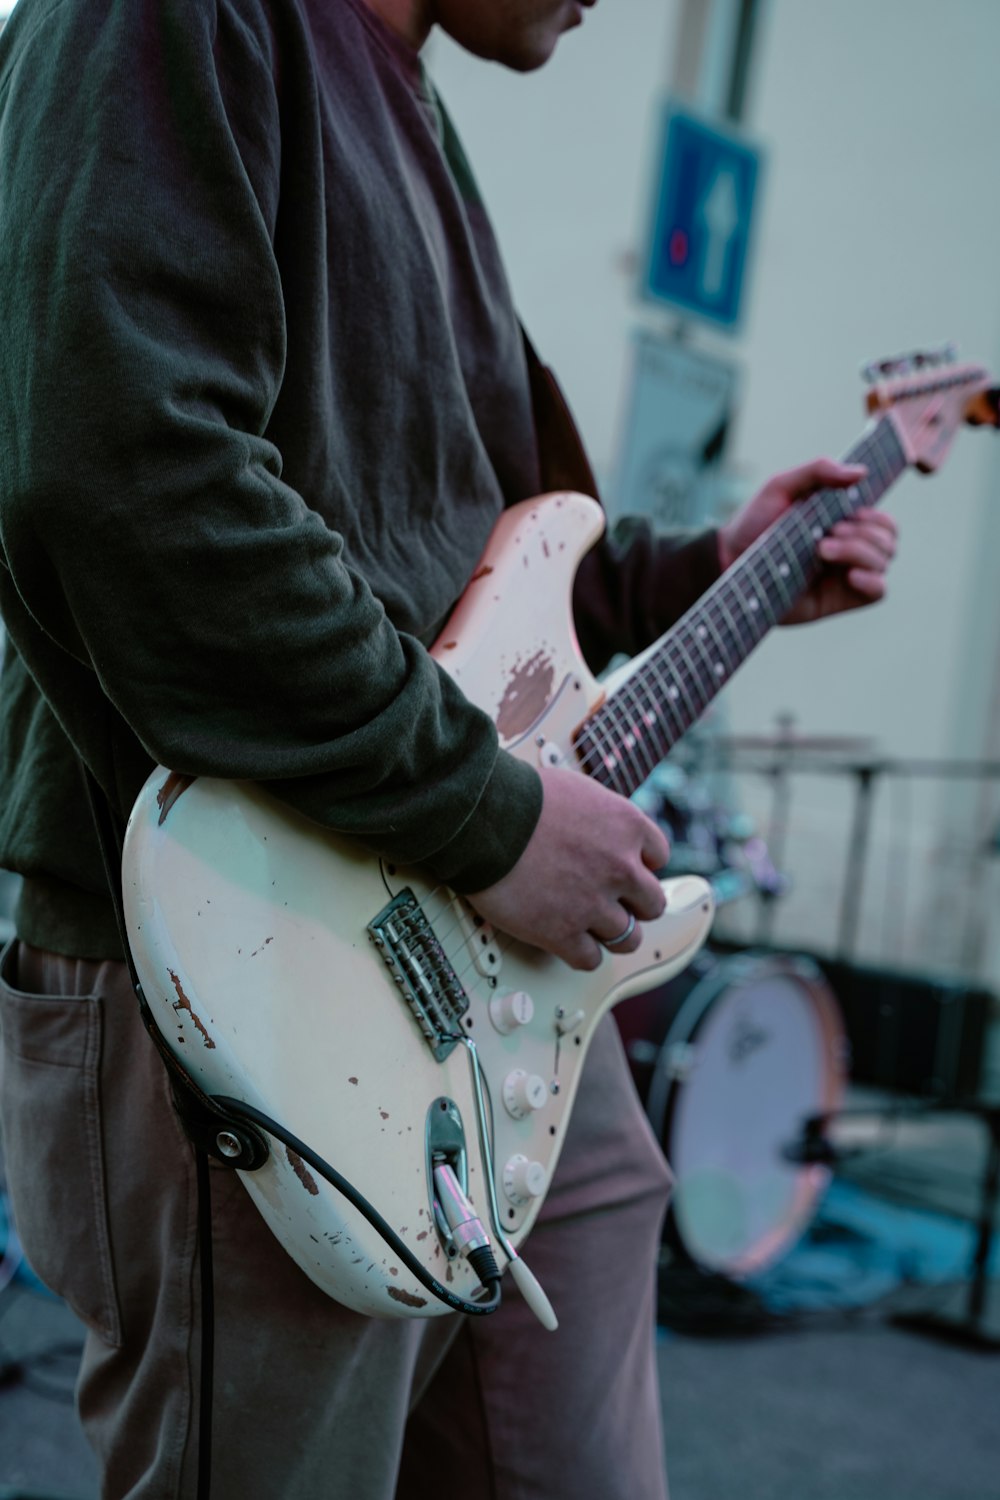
277 976
288 969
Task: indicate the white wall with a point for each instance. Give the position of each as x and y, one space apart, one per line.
879 232
561 156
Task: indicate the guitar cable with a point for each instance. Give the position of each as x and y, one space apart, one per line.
481 1258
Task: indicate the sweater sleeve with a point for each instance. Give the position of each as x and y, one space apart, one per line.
146 526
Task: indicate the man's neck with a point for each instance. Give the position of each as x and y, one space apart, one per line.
409 19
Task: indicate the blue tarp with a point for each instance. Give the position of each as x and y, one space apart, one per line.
860 1247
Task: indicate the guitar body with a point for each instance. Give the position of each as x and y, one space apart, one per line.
289 968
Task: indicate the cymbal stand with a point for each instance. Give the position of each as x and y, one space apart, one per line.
968 1327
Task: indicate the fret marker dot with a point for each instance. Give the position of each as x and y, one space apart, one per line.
817 533
719 669
854 493
673 692
754 604
650 718
702 631
611 761
630 741
784 570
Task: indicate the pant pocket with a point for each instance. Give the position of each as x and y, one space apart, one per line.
51 1117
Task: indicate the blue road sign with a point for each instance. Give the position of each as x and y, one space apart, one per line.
702 218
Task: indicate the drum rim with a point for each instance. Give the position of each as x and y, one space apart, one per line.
697 1004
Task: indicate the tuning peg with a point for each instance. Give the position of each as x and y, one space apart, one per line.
945 354
876 370
904 364
884 369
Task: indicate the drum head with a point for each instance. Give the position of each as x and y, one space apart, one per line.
756 1049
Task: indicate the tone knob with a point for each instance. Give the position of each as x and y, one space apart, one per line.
523 1092
523 1179
510 1009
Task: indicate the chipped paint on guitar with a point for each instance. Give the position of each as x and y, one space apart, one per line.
287 967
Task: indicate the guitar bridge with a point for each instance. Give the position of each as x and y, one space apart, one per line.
403 935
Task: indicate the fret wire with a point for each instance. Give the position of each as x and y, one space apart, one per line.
772 580
667 698
730 645
619 715
654 741
785 598
598 754
638 719
721 627
697 635
667 694
623 725
700 636
755 608
658 727
675 691
672 687
688 678
736 629
754 621
787 569
735 633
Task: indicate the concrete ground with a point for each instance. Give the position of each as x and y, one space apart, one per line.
860 1411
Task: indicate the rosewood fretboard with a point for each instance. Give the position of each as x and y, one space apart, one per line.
673 683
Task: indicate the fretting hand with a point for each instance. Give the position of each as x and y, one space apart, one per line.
857 552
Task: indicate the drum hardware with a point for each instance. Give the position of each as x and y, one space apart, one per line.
966 1319
786 751
967 1324
707 838
679 1061
717 1196
747 1049
815 1145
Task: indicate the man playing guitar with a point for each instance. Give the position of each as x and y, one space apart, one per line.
264 395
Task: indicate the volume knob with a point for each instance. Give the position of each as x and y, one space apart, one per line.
510 1009
523 1179
523 1092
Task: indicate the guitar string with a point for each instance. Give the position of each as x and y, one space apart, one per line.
797 538
504 942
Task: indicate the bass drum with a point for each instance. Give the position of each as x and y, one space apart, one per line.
755 1048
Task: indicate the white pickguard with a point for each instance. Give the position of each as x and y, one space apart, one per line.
249 930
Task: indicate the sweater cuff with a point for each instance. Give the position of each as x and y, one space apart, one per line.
492 840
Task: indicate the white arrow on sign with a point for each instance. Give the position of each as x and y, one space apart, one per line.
721 216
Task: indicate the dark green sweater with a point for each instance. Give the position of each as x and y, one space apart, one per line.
262 396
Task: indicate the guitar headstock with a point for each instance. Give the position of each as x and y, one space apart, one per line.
928 397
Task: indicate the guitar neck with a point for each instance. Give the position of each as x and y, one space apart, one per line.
670 685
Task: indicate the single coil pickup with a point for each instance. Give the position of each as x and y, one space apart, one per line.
410 948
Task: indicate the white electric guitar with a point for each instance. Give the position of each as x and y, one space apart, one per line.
371 1012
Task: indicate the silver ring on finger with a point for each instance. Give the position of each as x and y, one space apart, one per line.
623 936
